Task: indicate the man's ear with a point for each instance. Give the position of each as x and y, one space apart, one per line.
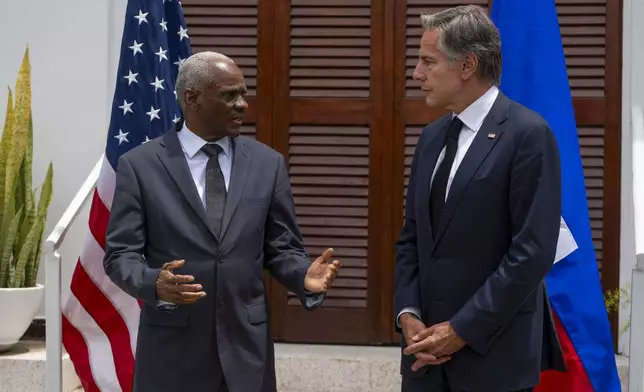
191 98
469 66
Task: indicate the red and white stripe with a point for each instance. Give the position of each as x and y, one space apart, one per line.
100 321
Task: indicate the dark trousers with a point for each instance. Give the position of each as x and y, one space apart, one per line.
434 381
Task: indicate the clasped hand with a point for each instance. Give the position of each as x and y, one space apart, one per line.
431 346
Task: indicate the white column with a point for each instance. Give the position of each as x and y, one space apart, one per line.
632 94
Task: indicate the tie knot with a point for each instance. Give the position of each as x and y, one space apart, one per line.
455 128
212 149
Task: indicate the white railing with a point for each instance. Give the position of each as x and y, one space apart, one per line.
53 311
636 352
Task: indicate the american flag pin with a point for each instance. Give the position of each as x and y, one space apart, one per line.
491 135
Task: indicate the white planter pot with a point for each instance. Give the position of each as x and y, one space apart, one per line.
17 309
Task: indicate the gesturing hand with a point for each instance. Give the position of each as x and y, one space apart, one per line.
321 274
434 344
173 288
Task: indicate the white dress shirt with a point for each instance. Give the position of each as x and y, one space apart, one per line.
191 145
472 118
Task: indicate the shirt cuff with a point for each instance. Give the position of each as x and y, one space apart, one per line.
408 309
163 305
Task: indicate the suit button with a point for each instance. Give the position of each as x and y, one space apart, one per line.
221 260
220 300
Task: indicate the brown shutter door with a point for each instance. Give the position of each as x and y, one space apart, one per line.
325 123
583 32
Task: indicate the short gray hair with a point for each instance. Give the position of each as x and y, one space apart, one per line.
196 73
468 29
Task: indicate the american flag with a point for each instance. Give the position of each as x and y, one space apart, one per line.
100 321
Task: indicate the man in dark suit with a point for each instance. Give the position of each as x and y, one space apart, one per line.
197 215
481 223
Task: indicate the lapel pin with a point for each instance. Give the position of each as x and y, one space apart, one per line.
491 135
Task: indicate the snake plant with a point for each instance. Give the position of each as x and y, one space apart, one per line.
22 221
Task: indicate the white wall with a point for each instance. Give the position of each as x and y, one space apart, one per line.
74 47
632 93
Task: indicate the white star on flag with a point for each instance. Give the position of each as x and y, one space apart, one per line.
158 84
161 54
176 119
183 33
141 17
122 137
147 139
127 107
179 62
131 77
153 113
164 24
136 47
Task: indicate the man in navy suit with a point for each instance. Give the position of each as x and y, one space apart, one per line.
481 223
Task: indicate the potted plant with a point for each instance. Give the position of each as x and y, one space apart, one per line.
22 220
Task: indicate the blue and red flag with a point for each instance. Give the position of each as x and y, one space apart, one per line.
534 74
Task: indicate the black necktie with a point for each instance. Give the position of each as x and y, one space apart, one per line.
439 185
215 187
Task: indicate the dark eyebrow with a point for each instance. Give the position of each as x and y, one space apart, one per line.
242 89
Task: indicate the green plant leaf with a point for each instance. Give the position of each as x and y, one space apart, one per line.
5 257
29 248
5 142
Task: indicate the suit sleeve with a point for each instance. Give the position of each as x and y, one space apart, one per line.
406 286
284 252
535 212
125 239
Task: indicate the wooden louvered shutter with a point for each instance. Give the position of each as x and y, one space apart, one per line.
326 124
236 28
590 32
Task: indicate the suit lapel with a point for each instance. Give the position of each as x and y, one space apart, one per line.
239 172
427 164
175 163
476 154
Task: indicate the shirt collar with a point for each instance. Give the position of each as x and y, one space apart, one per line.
474 115
192 144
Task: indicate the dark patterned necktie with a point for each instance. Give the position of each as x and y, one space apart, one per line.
439 185
215 187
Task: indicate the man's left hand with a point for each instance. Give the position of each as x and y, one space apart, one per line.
321 273
437 341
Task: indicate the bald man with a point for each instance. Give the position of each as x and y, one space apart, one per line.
197 215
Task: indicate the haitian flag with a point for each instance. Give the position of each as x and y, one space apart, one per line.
534 74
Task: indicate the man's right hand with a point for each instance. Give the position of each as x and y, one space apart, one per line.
174 288
412 326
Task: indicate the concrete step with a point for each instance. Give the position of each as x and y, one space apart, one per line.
299 367
23 369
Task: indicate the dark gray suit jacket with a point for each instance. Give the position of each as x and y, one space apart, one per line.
157 217
483 268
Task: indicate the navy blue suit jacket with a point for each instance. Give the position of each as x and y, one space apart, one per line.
483 268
